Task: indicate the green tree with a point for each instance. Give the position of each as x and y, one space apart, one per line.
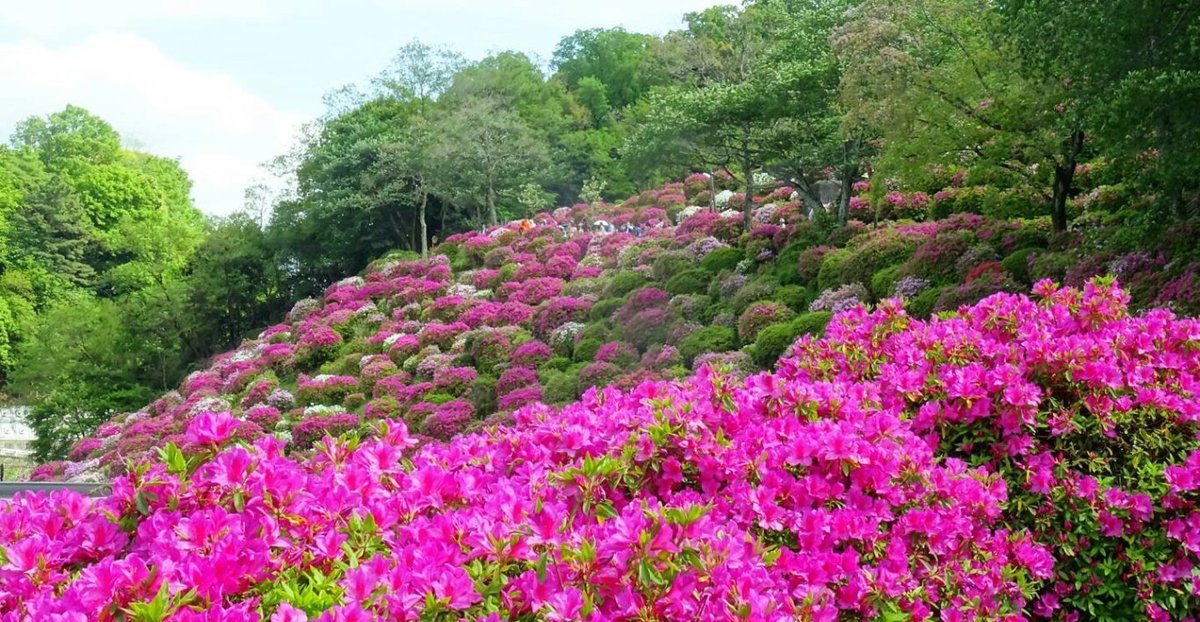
1133 80
78 366
335 224
51 235
813 140
233 284
419 72
68 139
496 153
729 120
606 66
943 88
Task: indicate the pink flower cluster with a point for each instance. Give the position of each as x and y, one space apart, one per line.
840 485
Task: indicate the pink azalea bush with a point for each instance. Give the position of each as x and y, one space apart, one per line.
896 467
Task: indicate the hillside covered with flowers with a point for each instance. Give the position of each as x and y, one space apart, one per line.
1022 458
584 415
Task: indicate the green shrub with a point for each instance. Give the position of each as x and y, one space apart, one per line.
937 257
722 259
775 339
707 339
808 264
829 275
752 292
1033 234
714 310
1017 265
623 282
344 366
772 342
669 263
595 330
922 305
812 323
482 394
807 234
507 272
876 252
841 236
560 387
884 281
786 264
440 398
585 349
1049 265
558 363
694 281
797 298
760 315
1012 203
602 310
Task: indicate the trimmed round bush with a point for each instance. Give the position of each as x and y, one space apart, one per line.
585 349
595 331
922 305
707 339
599 374
774 340
883 283
796 298
603 310
669 263
559 363
829 275
722 259
1017 265
760 315
694 281
623 282
787 262
560 387
877 251
752 292
812 323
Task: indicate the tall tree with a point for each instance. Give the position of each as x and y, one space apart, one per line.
496 154
336 224
943 88
1133 70
419 72
608 66
728 118
814 141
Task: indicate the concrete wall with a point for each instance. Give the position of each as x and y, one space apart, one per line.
15 438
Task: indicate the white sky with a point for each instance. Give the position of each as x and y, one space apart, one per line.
225 84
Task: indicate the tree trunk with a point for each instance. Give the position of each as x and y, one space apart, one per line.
1064 175
412 236
748 171
712 190
424 226
491 204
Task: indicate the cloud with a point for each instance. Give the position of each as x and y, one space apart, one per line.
57 17
218 129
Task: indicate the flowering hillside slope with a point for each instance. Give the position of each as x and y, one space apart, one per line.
1022 458
564 418
614 295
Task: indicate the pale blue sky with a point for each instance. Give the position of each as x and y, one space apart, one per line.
224 84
